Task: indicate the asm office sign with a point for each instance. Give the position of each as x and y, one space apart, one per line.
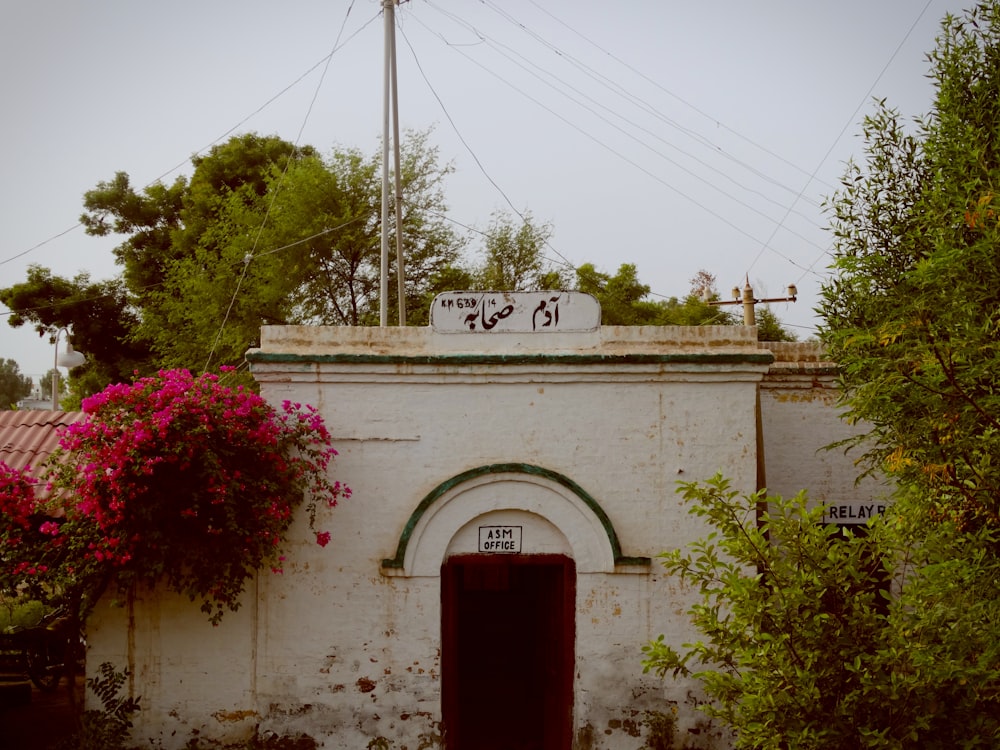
500 539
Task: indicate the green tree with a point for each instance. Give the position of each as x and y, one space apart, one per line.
337 203
161 222
800 646
264 233
13 385
148 219
912 311
99 316
769 327
45 384
169 228
514 257
911 317
624 299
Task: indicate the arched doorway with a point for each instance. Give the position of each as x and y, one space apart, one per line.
508 632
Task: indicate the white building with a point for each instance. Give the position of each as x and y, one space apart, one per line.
493 578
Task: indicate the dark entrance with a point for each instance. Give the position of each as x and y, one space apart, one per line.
508 631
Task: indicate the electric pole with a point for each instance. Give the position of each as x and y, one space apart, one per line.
749 302
390 133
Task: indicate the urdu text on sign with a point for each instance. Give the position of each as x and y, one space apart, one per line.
515 312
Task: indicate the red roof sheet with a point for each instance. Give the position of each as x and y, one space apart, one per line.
28 437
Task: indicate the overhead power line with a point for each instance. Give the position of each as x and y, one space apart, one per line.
181 164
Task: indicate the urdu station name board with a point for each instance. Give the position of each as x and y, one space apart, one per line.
515 312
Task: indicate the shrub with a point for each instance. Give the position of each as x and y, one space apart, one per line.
175 479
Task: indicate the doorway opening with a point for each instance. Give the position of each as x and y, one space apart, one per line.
508 633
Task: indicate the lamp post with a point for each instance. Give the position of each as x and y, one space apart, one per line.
68 359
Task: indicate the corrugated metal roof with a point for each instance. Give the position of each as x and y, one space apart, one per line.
28 437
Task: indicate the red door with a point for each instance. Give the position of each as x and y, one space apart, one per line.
508 634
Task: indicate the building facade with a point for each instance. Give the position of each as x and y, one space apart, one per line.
493 579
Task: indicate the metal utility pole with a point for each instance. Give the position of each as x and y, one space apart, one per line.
749 302
390 129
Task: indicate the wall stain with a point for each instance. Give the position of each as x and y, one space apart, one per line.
224 716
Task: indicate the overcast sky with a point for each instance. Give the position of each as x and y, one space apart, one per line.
678 136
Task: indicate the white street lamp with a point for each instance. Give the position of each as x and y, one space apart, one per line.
68 359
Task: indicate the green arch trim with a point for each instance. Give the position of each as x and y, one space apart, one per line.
510 468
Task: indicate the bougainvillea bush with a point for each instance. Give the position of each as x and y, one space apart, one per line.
18 529
179 480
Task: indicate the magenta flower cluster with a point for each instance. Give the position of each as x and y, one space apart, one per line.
17 503
183 480
31 546
17 509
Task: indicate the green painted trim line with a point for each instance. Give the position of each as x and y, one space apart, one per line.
765 358
511 468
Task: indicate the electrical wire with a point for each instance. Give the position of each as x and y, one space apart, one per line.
678 98
860 106
765 244
583 132
276 191
540 73
620 91
180 165
468 148
799 194
150 287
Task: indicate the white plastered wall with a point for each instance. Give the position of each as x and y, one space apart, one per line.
803 433
346 648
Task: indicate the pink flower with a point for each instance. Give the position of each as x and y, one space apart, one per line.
169 447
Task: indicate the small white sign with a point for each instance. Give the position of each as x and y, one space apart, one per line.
500 539
853 514
505 312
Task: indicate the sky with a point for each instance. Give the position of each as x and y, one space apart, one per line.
678 136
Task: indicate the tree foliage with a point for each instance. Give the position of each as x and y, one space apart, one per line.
769 327
912 312
624 299
13 385
99 315
514 257
264 233
148 219
802 648
337 203
794 654
46 383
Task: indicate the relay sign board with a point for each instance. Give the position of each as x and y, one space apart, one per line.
853 514
500 539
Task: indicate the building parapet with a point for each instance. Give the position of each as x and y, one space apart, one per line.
799 364
412 341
